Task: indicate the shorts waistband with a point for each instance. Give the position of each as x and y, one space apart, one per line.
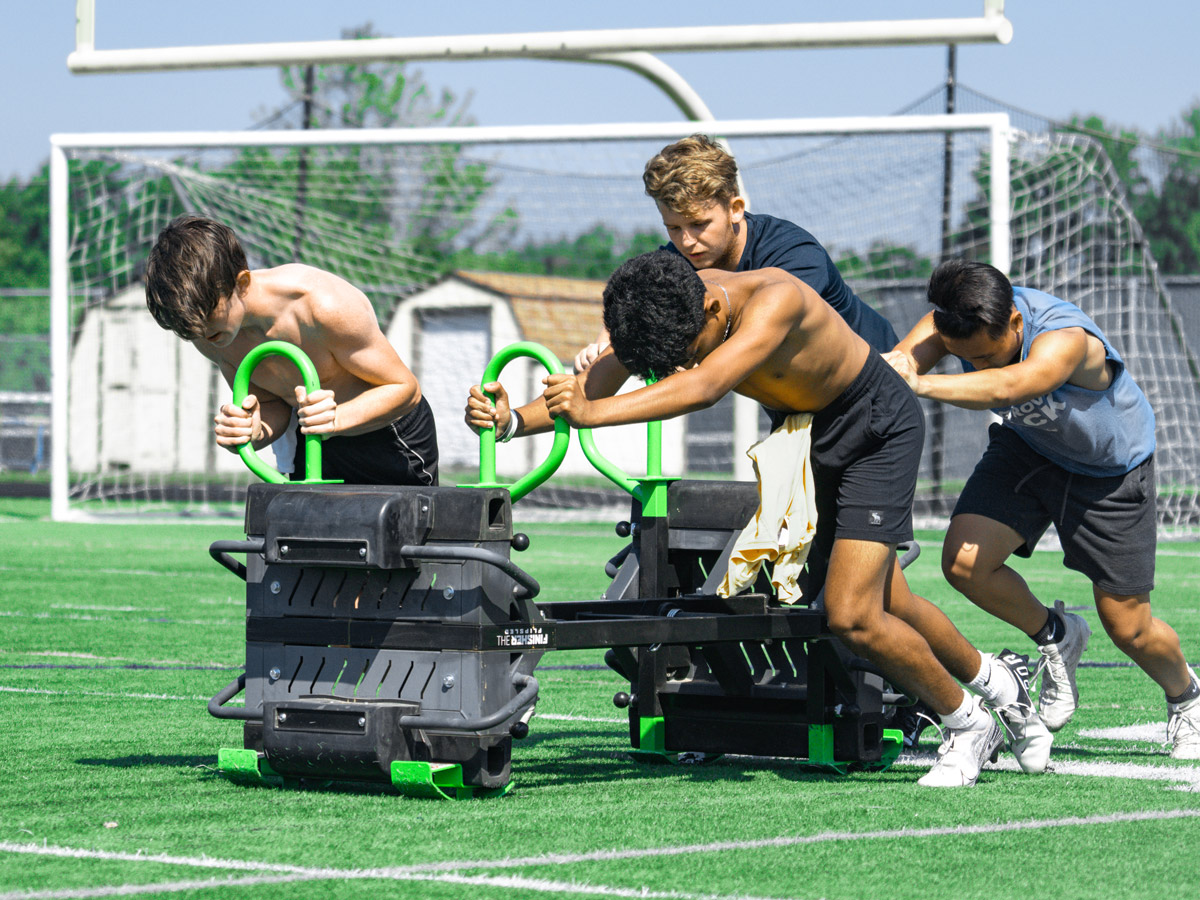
873 369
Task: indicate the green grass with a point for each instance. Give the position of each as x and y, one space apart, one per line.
112 638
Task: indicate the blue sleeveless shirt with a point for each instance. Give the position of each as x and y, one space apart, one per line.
1096 433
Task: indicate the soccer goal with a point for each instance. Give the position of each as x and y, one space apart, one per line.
467 239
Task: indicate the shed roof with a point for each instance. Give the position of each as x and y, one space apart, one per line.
564 314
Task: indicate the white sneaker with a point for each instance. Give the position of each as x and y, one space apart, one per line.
1183 727
1027 735
964 751
1059 695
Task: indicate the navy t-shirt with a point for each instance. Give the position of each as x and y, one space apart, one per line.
777 243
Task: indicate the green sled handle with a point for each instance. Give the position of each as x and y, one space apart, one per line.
312 442
487 437
640 489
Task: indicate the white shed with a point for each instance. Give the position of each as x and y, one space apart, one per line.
140 399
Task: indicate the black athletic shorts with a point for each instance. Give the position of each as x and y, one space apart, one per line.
1107 526
866 450
404 452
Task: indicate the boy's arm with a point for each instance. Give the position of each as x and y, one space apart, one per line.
1052 360
922 346
759 334
350 332
261 418
603 378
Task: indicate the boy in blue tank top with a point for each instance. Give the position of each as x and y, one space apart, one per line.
1074 447
694 183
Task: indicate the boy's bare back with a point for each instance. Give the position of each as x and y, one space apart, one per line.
325 316
796 352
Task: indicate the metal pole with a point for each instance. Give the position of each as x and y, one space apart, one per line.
60 331
302 165
948 149
937 418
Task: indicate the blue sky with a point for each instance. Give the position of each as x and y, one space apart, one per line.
1135 64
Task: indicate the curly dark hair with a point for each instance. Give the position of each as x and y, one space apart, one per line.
193 264
969 296
653 310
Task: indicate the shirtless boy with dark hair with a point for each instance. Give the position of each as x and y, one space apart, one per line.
198 285
767 335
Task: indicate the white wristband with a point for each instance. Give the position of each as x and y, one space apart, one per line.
510 431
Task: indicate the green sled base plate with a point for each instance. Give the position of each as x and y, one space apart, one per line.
248 767
437 781
652 731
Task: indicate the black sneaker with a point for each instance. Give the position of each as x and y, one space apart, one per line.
912 720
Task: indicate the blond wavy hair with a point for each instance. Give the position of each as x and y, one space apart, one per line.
690 174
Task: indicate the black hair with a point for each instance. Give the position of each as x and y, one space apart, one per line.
653 310
968 296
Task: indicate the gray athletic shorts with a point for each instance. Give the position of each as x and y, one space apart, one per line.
1107 526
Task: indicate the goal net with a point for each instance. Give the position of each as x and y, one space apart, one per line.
466 242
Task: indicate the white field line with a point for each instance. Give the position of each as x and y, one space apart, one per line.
105 571
1147 733
1185 778
66 654
133 890
451 871
166 859
797 840
17 614
572 888
123 695
78 606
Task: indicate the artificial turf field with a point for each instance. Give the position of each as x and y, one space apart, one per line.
112 639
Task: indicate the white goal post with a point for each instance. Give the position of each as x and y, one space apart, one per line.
992 27
991 131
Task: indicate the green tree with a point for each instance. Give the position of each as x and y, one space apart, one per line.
1166 199
1121 146
1061 205
594 254
25 231
884 260
441 188
1171 217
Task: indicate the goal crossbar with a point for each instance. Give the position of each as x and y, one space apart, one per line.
990 27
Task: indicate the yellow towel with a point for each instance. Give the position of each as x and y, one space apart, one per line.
782 530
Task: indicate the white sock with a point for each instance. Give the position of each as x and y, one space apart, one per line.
979 684
995 684
963 716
